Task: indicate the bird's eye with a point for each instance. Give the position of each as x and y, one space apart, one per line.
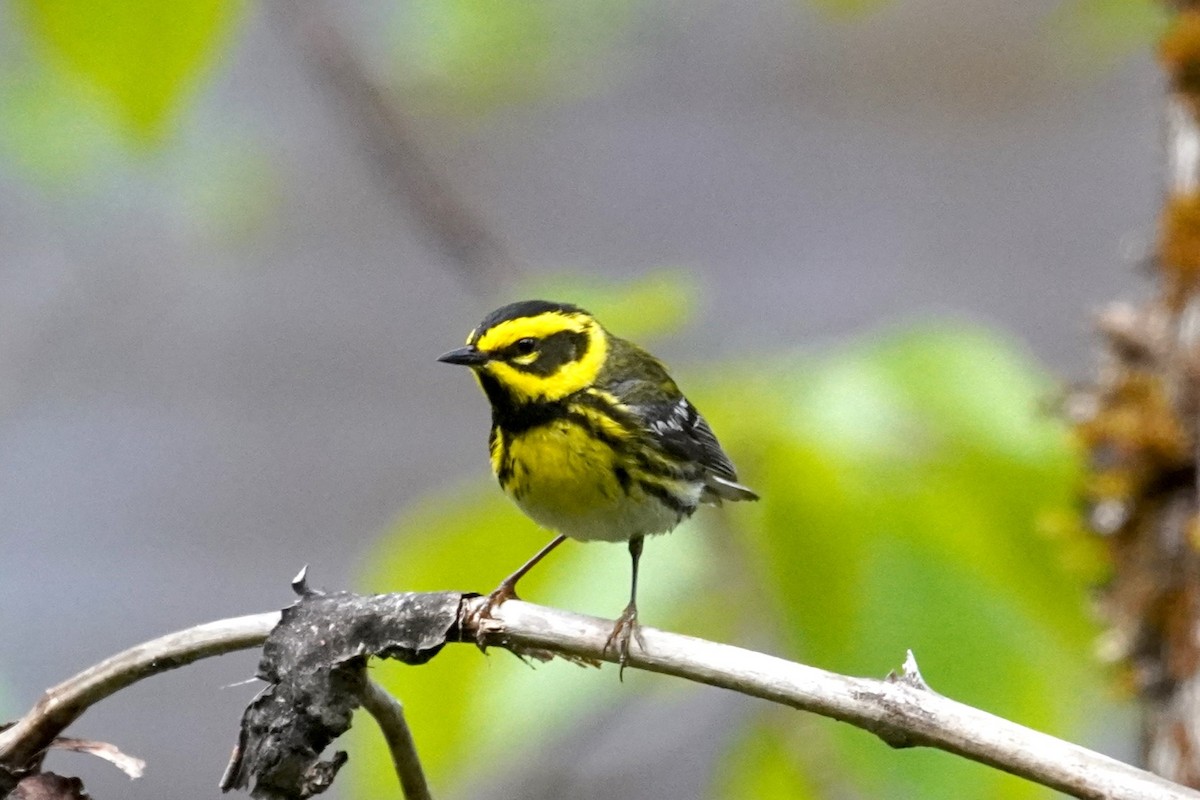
524 347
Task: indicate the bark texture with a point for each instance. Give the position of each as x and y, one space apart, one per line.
1140 424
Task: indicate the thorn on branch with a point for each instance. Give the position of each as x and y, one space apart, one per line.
300 583
910 674
894 733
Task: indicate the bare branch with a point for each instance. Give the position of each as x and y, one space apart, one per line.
63 704
902 711
388 712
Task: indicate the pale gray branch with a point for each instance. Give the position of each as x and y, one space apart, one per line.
130 765
388 712
63 704
902 711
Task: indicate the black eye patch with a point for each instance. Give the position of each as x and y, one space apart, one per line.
524 347
556 350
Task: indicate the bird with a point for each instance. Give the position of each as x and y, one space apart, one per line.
590 437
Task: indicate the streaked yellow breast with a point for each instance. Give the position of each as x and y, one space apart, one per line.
565 480
558 466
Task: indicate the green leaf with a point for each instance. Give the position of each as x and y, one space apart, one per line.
141 56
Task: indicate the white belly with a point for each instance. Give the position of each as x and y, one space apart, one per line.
618 521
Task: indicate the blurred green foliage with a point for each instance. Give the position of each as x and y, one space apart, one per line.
478 53
1096 32
141 56
914 496
123 68
52 128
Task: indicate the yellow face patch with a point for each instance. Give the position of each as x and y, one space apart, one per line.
530 386
540 326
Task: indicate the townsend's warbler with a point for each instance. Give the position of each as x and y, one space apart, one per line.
590 436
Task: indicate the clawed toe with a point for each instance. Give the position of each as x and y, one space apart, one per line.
477 620
625 630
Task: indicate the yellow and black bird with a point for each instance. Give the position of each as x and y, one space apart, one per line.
590 436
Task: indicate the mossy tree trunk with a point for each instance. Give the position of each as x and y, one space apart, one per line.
1140 424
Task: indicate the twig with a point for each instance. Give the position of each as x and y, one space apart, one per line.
900 712
388 712
63 704
130 765
387 137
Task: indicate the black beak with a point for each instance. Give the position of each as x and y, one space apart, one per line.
470 356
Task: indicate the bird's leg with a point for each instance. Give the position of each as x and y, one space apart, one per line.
627 624
507 590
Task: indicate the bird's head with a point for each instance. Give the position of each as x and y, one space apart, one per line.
534 351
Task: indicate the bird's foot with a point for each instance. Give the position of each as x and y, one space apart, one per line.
478 619
625 629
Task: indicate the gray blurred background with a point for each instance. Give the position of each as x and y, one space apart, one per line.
217 358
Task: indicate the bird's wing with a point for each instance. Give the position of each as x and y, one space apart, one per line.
683 434
673 423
